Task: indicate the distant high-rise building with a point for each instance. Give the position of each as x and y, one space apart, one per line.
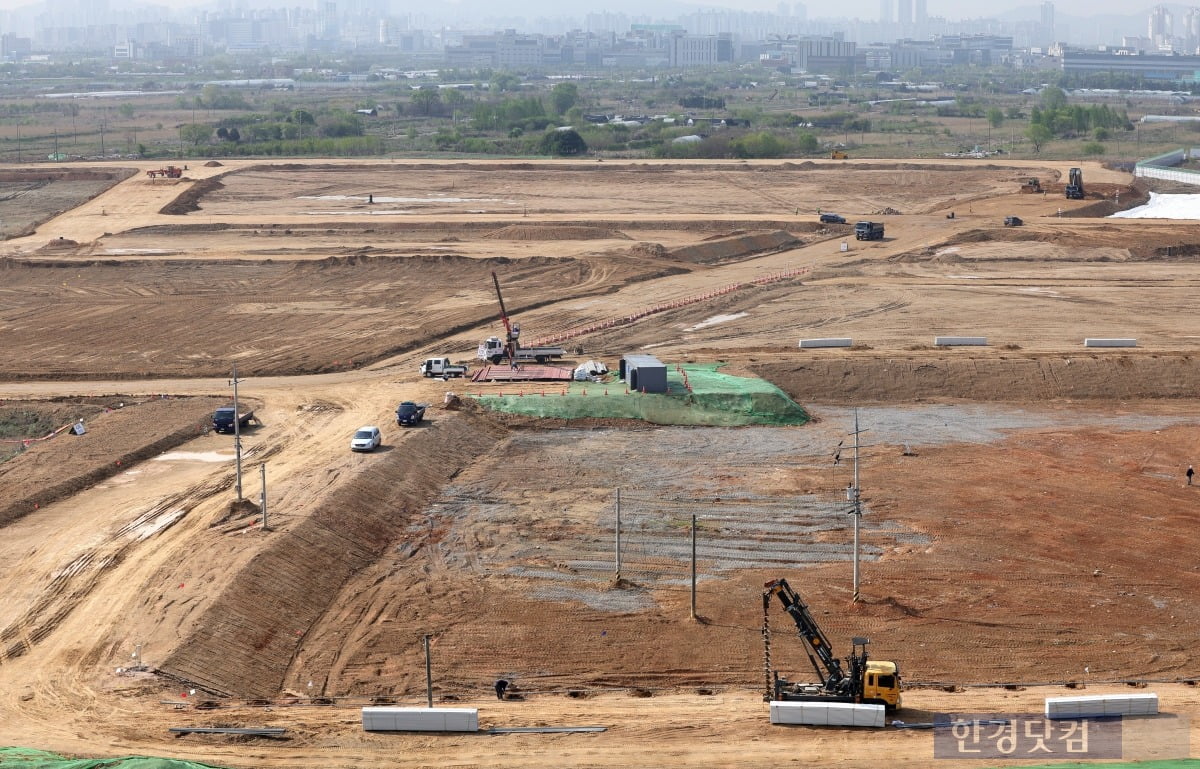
922 15
800 11
1160 31
885 11
904 15
1048 18
783 9
1191 30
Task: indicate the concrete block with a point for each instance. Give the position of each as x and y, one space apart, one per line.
1102 705
827 714
960 341
399 719
1096 342
826 342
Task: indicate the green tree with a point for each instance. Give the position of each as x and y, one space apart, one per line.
1053 98
567 142
564 96
505 81
1093 148
1038 134
807 142
194 133
757 145
126 110
995 117
426 101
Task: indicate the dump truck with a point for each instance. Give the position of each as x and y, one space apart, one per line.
409 414
442 367
223 421
868 231
862 681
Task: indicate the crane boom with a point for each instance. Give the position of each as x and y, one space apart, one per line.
511 332
815 642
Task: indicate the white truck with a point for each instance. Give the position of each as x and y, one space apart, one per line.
442 367
492 349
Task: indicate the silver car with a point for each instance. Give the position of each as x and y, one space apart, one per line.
366 439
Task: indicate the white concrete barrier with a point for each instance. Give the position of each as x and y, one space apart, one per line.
1102 705
1091 342
826 714
957 341
829 342
396 719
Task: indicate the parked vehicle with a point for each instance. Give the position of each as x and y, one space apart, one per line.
1013 221
409 414
838 155
366 438
222 420
832 219
495 349
442 367
868 231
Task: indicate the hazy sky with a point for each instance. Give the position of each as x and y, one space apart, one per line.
863 9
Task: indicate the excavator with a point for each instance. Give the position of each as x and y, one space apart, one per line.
863 681
1074 188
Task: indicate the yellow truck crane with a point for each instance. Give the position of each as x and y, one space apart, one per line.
863 681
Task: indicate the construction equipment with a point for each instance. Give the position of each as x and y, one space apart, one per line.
1033 184
1074 188
838 155
863 681
494 349
169 172
868 231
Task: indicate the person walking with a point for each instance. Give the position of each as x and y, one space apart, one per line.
1190 473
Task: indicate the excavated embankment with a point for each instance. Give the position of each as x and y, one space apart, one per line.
243 643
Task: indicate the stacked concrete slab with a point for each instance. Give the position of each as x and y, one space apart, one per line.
960 341
1095 342
398 719
826 714
827 342
1102 705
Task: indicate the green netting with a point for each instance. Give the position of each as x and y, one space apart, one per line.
714 399
1172 763
28 758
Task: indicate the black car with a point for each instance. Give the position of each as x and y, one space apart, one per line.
832 219
409 413
1013 221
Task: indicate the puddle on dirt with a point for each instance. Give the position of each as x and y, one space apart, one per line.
194 456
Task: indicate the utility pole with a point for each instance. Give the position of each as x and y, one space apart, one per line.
693 616
237 434
854 495
618 542
428 675
262 499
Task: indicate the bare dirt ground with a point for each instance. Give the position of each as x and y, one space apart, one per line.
1026 517
30 196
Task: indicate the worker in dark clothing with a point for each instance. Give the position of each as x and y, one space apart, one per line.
370 197
1190 473
501 685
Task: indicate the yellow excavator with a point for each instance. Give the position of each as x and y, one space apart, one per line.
863 681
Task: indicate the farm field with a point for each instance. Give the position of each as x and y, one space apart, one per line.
1026 519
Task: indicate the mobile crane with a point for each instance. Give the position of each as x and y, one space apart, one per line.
864 682
495 349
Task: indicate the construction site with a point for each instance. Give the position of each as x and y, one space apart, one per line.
683 448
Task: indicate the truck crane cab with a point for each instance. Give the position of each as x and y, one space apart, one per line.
862 681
